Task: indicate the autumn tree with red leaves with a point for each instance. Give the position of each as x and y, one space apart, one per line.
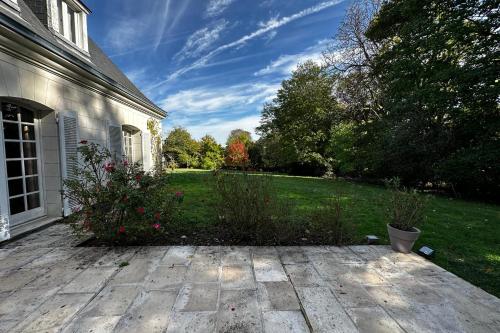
237 155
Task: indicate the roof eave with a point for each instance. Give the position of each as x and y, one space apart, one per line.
25 32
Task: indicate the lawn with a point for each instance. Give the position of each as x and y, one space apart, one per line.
465 235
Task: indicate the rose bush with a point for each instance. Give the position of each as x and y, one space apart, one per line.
117 201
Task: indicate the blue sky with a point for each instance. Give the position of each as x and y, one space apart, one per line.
211 64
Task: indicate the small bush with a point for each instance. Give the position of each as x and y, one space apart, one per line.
117 201
250 211
329 223
406 206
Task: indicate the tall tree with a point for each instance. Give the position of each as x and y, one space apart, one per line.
350 58
240 135
180 147
302 115
438 73
211 153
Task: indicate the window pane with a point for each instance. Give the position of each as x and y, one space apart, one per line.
13 149
29 149
9 111
14 169
30 167
31 184
28 132
27 116
16 205
11 131
15 187
33 201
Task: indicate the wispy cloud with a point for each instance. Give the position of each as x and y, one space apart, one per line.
201 41
264 29
151 23
286 63
204 100
217 7
125 34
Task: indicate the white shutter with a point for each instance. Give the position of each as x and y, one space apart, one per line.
146 151
115 141
68 138
4 199
137 148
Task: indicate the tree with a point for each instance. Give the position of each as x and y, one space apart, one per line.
350 58
240 135
237 155
302 115
182 148
211 153
438 68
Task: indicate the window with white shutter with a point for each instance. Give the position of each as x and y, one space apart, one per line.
69 138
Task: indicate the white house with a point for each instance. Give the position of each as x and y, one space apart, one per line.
58 88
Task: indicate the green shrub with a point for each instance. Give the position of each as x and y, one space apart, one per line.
117 201
406 206
329 223
250 211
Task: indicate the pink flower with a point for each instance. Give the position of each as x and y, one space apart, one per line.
121 230
141 210
109 167
156 226
125 162
83 142
179 194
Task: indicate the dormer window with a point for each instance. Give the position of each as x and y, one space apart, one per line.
71 22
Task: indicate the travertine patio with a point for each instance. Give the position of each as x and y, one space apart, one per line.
47 285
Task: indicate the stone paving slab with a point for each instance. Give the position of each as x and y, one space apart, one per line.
49 285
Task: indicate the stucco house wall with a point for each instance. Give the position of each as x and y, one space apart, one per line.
52 86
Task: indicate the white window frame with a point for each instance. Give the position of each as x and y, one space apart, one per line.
71 23
128 145
37 212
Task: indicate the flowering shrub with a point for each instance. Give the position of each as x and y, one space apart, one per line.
117 201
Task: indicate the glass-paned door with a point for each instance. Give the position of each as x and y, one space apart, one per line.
22 162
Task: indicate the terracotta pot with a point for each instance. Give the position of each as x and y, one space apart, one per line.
402 241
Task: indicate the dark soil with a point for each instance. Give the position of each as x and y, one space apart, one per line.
210 237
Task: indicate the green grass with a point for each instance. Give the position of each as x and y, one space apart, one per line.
465 235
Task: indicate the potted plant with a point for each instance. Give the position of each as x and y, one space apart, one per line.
406 208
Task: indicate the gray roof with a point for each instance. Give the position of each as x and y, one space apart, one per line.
99 65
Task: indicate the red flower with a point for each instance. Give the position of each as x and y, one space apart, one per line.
156 226
109 167
141 210
179 194
138 177
125 162
157 216
83 142
121 230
